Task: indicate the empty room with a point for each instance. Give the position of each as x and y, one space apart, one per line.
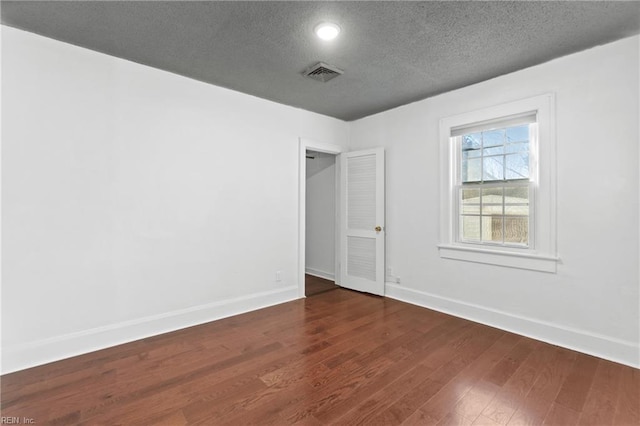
275 213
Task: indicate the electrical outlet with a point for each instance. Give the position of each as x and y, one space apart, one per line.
389 271
278 276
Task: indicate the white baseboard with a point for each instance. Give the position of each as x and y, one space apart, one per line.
617 350
321 274
31 354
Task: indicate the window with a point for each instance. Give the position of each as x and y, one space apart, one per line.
498 190
494 182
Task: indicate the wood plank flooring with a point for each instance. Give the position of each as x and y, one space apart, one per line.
339 357
315 285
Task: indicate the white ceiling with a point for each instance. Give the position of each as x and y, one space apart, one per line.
393 53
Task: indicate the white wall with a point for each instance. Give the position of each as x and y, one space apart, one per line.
136 201
592 303
321 215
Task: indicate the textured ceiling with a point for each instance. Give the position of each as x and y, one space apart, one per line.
393 53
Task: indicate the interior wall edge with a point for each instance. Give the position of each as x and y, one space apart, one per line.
31 354
612 349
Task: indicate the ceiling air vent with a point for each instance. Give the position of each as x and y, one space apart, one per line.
322 72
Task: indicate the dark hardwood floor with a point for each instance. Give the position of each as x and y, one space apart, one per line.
316 285
339 357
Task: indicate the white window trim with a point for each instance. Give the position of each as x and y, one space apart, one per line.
542 254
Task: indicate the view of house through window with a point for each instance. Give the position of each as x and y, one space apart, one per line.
494 194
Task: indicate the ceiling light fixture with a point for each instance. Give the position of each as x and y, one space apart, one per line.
327 30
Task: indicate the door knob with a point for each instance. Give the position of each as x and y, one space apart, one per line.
378 228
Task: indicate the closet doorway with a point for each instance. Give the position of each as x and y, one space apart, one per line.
321 221
318 264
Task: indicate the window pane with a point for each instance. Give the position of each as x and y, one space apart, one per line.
470 227
471 141
493 138
492 226
471 170
517 147
516 230
518 133
516 194
516 210
492 201
496 150
471 195
516 200
470 201
493 168
474 153
517 166
470 209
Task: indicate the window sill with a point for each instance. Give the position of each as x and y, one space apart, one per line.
530 261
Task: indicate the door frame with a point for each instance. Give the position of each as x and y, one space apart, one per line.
304 145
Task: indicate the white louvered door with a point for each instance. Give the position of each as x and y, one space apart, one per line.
362 220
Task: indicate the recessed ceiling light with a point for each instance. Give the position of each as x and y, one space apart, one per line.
327 30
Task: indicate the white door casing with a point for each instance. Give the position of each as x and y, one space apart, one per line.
362 221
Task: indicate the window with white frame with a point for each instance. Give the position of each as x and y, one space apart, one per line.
493 185
498 187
